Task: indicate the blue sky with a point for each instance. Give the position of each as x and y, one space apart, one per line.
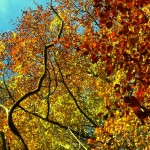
11 9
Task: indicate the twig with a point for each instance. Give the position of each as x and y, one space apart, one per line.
77 139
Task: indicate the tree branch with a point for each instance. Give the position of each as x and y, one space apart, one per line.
17 103
56 123
3 141
73 97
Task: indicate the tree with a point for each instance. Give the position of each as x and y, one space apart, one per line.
76 75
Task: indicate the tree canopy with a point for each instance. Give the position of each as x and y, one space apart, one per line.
76 75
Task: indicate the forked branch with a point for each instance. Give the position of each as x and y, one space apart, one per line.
17 103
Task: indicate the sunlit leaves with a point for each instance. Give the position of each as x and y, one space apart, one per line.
100 64
2 47
120 132
2 50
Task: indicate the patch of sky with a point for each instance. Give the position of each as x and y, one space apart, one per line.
90 130
11 9
80 29
96 27
7 72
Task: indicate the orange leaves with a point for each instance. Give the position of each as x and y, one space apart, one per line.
1 65
89 50
91 141
67 44
111 63
117 131
94 44
140 93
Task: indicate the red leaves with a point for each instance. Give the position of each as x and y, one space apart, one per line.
109 67
77 49
109 24
126 29
134 40
109 49
139 3
100 114
85 53
143 19
86 48
121 21
97 3
140 111
104 46
132 101
94 58
107 107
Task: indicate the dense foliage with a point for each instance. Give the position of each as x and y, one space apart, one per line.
76 75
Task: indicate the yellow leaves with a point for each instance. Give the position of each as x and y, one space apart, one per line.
2 49
1 65
119 17
56 22
66 146
2 54
15 35
5 128
131 28
19 67
117 112
119 76
146 9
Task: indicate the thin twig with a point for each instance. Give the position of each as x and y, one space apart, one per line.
77 139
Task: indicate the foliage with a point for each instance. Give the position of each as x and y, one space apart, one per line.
76 76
